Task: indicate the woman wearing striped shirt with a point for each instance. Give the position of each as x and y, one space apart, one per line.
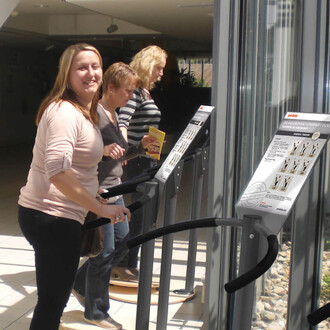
135 118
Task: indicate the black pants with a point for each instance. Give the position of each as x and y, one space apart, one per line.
56 242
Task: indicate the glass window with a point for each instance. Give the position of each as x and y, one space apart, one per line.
268 89
196 72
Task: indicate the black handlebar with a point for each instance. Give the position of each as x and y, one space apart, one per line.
124 188
130 185
258 270
174 228
132 207
235 284
319 315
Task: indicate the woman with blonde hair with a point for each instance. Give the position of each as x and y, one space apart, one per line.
62 181
135 118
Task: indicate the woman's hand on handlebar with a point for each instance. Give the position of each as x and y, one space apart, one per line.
116 213
100 198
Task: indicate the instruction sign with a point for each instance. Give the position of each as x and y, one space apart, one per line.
285 167
183 143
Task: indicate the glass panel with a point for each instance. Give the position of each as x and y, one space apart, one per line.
325 260
269 76
273 287
325 273
268 89
197 72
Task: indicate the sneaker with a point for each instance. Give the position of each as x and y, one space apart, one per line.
108 323
123 274
79 297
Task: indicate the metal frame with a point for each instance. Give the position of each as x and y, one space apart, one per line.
309 210
228 123
222 159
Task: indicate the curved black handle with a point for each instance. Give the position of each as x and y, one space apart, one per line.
319 315
258 270
130 185
233 285
132 207
174 228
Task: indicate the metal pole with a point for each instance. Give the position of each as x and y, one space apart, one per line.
248 258
147 257
171 190
195 212
199 165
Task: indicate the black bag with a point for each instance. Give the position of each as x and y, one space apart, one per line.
92 239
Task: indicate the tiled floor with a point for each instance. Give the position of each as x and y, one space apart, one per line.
17 273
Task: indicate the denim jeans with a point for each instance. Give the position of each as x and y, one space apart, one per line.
57 244
92 279
135 167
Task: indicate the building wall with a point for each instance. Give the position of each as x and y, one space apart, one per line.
25 77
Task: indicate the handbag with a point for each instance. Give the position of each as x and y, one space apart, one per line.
92 239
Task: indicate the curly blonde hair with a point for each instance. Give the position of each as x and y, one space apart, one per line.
144 62
60 92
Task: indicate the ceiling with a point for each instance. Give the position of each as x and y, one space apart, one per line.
183 26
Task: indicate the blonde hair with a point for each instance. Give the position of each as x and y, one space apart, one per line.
144 62
60 90
116 74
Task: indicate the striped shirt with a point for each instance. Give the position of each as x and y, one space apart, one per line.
139 113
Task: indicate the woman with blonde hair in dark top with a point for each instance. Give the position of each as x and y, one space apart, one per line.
92 281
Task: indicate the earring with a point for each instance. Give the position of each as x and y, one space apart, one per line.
67 86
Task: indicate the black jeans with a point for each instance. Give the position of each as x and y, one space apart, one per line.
56 242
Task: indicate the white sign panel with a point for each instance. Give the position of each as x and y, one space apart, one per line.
285 167
181 146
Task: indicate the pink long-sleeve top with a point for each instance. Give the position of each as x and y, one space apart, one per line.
65 140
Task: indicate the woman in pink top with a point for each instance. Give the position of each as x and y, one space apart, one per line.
62 182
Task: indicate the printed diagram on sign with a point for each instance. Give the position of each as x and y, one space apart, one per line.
285 182
294 166
183 147
304 148
294 147
313 150
285 164
285 167
304 167
297 165
276 181
175 159
281 182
